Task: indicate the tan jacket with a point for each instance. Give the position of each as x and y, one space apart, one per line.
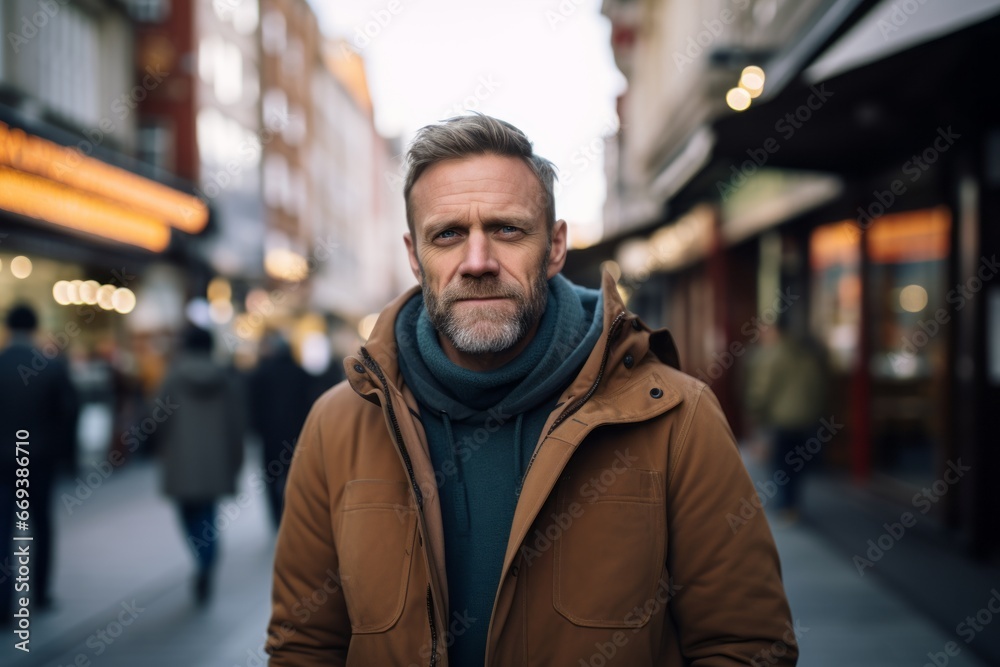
620 550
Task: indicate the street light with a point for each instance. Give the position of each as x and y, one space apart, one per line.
752 80
738 99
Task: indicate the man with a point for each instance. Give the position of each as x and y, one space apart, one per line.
513 473
786 394
37 396
200 447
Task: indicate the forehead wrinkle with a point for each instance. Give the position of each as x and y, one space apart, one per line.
514 188
453 186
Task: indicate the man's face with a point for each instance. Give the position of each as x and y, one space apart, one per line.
481 250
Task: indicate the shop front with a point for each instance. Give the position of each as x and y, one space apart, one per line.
79 234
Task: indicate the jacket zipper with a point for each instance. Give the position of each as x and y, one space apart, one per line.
430 619
375 368
612 334
398 434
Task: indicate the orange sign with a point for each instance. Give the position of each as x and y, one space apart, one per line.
91 195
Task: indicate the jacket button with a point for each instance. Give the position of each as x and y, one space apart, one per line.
629 361
635 324
514 570
656 392
359 368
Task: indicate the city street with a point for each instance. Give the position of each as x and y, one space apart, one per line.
123 585
209 207
123 593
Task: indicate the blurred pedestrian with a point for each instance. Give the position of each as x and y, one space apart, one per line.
786 396
281 393
201 419
36 396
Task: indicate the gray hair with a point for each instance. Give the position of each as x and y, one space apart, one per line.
477 134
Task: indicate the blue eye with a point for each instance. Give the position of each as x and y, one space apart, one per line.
447 231
509 229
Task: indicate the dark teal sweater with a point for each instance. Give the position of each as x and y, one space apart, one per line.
482 428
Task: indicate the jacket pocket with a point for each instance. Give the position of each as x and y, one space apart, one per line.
377 529
609 562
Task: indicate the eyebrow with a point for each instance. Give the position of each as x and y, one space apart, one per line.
434 228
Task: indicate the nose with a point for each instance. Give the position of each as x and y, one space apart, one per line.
478 260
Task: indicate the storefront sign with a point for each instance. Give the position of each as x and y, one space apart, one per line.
43 180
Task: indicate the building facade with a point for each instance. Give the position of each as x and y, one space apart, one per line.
854 199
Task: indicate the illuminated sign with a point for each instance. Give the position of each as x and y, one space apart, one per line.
43 180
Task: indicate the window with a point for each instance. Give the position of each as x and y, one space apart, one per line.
220 63
245 18
275 109
156 143
61 68
149 11
293 60
229 74
295 128
272 32
275 180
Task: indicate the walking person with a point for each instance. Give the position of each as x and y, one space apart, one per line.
37 397
786 394
201 418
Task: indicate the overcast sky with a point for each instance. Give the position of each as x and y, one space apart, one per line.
544 66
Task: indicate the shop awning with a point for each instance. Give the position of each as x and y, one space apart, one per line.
893 26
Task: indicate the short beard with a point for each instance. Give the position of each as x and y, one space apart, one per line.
492 331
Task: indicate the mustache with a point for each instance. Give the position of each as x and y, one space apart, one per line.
492 288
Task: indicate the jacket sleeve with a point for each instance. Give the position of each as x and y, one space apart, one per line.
729 602
309 624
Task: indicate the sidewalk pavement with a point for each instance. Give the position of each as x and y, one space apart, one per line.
123 584
845 619
123 593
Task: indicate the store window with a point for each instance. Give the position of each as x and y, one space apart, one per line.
909 327
905 368
835 262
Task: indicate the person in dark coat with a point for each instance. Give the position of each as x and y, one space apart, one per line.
202 421
281 393
38 405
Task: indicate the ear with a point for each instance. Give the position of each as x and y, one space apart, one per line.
411 252
557 253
